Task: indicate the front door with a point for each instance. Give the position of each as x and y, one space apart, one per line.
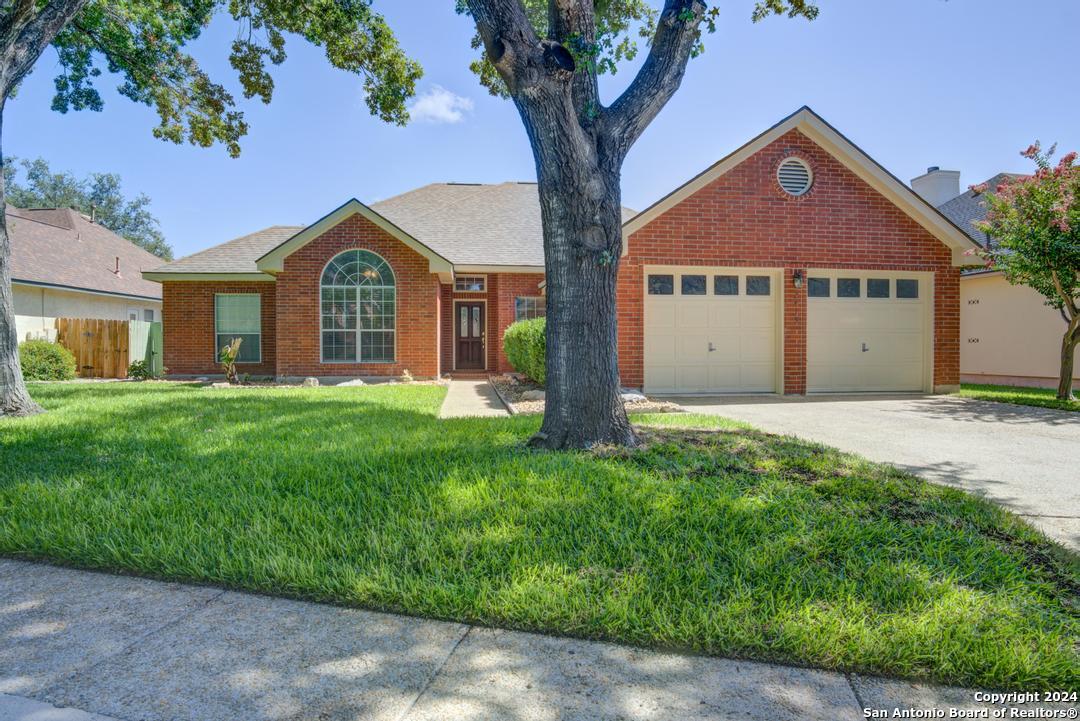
470 336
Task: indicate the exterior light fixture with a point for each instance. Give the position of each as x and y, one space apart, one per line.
798 278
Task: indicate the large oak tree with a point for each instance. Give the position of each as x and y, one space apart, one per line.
143 42
546 55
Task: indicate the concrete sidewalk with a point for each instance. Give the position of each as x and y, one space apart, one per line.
471 397
84 646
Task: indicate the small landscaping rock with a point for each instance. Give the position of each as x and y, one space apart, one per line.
353 382
533 395
633 397
310 382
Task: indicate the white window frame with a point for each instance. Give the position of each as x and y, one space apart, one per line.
539 303
470 276
358 330
217 350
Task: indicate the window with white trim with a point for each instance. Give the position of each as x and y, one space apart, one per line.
239 315
359 309
528 307
470 283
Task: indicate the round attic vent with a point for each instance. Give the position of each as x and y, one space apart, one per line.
794 176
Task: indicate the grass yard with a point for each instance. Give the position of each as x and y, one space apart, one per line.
1018 395
734 543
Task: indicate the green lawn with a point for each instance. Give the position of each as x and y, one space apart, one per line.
1043 397
729 542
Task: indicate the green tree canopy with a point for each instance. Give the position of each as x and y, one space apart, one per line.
98 195
1035 221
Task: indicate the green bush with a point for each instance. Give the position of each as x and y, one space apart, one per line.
139 370
43 360
525 345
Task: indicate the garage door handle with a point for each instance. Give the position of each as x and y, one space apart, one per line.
711 347
865 347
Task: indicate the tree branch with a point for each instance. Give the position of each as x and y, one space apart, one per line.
28 35
677 33
510 42
573 25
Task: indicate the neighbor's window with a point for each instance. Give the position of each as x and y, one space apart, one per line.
526 308
148 315
877 288
757 285
848 287
470 283
725 285
661 285
239 315
693 285
359 309
907 288
818 287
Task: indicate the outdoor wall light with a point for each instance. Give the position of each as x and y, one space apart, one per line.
798 277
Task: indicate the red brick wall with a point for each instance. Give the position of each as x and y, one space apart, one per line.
298 303
745 219
188 326
511 286
501 290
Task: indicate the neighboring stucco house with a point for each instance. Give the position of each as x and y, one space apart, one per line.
1008 334
795 264
65 266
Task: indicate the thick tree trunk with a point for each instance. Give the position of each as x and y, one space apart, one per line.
581 209
583 403
14 399
1069 343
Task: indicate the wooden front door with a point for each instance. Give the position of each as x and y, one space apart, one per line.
469 335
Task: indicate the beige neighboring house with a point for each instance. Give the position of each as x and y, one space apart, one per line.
1008 335
65 266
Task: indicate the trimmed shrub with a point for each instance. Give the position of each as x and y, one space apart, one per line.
525 345
43 360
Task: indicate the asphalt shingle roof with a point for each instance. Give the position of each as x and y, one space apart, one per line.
235 256
59 246
968 207
466 223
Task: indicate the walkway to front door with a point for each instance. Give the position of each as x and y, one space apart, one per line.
469 335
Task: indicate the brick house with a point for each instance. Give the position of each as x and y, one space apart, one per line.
796 264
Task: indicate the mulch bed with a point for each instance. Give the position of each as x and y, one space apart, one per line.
513 389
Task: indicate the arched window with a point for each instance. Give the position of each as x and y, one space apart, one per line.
358 309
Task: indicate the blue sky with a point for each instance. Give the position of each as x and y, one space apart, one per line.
964 84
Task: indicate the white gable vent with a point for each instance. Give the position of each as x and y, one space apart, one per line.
794 176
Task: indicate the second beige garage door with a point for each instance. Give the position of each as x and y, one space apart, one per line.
711 330
868 331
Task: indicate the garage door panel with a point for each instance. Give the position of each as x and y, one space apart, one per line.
740 330
691 315
757 346
866 344
723 314
660 315
661 352
757 315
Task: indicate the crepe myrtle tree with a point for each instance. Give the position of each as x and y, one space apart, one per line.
143 42
546 56
1034 221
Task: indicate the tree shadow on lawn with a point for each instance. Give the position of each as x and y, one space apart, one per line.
735 542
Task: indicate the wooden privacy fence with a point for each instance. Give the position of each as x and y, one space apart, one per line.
105 348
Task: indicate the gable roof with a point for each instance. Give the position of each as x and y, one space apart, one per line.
273 261
969 207
457 226
234 258
813 126
60 247
475 224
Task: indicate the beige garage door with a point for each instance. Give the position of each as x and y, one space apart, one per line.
867 331
711 330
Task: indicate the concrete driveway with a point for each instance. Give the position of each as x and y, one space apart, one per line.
1025 458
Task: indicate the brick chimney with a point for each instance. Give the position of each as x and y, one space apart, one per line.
937 186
